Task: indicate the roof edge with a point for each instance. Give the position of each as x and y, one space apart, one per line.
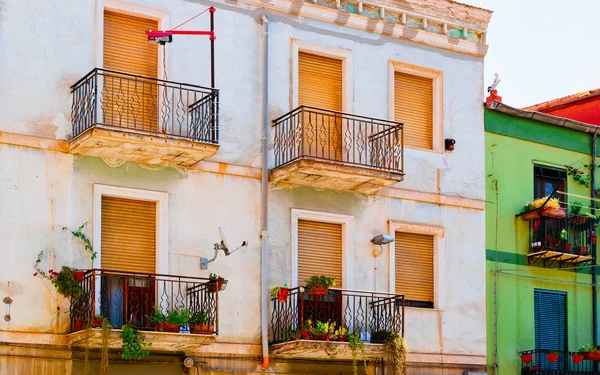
542 117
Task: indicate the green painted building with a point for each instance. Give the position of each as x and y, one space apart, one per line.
539 271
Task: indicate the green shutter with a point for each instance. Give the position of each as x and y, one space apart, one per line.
550 313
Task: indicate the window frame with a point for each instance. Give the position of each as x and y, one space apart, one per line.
347 223
439 291
437 77
546 178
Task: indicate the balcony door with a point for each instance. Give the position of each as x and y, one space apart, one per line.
128 245
129 101
320 85
550 321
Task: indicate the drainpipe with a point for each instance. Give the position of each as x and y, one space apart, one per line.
265 204
594 276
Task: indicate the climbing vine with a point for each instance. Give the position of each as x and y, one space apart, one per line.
86 241
582 176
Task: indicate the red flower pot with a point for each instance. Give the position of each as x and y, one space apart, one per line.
321 337
592 356
319 291
526 358
172 327
78 275
304 334
215 285
202 329
160 327
577 358
582 250
282 294
552 357
567 248
97 322
78 325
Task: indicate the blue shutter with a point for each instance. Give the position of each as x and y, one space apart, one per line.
550 312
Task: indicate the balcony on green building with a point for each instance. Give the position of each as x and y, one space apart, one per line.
565 241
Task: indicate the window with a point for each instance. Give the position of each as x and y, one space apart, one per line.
414 268
319 250
547 180
416 101
550 320
126 101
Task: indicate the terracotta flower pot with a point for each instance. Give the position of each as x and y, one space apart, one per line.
577 358
78 325
304 334
97 323
282 294
582 250
592 356
202 329
552 357
169 327
526 358
319 291
567 248
215 285
160 327
78 275
321 337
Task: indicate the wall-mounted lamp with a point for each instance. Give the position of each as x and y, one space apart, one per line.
382 239
450 144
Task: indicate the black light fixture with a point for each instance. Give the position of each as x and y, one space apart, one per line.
450 144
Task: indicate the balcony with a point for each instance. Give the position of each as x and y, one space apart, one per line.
147 120
565 241
129 298
567 363
372 314
338 151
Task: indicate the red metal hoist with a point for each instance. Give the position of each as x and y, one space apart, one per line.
166 36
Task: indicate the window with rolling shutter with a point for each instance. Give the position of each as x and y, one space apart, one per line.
128 237
125 101
319 250
550 321
413 106
414 268
320 85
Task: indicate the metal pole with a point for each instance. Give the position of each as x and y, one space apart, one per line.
212 47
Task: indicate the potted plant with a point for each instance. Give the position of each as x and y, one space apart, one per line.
216 283
175 319
323 331
542 207
158 318
98 321
318 285
582 250
577 357
552 356
340 334
280 292
526 358
590 352
198 323
305 330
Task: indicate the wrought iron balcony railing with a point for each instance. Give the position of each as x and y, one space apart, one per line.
372 314
537 362
144 104
308 132
567 235
130 298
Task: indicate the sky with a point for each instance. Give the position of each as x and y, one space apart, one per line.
542 49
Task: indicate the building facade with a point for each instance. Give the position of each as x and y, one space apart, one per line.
539 264
348 103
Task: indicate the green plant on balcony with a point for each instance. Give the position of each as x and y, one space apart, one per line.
318 285
396 348
199 323
216 283
280 292
323 331
575 208
355 343
134 345
171 321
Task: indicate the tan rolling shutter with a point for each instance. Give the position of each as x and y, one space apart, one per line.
413 106
128 235
126 102
414 266
320 85
319 250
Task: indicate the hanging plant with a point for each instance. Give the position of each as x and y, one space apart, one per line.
134 346
396 348
355 342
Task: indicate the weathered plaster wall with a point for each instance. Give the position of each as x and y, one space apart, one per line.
43 191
